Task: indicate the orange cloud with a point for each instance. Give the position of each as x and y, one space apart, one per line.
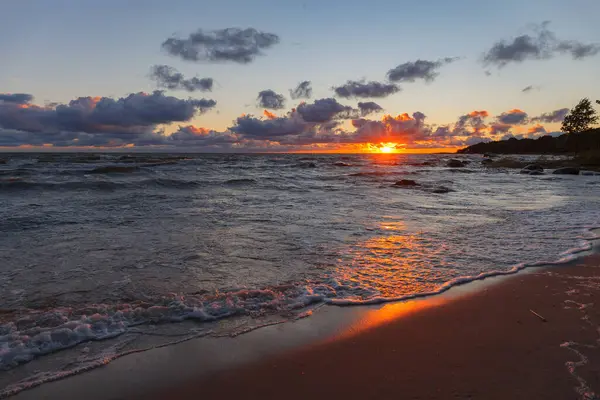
269 115
536 129
482 114
401 117
198 130
516 111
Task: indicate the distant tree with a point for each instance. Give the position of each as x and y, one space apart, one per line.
580 118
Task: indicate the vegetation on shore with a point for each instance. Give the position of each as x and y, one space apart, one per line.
579 140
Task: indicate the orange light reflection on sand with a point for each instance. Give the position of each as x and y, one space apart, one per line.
388 313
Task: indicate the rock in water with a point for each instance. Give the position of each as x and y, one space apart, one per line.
531 168
406 182
307 165
567 171
454 163
442 189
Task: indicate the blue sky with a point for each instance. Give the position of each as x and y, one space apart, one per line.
60 50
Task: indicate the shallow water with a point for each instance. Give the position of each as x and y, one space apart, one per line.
100 246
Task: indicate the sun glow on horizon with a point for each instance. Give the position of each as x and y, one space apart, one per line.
383 148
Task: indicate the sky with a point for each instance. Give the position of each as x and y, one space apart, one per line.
217 76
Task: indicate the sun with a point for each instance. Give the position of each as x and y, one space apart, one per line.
386 149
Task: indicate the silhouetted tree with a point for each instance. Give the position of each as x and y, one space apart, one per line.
580 118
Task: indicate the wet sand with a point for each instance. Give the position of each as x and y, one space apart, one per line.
484 345
477 341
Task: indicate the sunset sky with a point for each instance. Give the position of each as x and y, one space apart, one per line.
428 75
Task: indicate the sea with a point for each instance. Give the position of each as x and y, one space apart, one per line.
107 254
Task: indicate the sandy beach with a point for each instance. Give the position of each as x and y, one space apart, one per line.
533 335
485 345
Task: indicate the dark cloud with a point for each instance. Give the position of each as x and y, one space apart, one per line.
527 89
168 78
13 138
420 69
271 100
16 98
302 91
137 113
268 129
542 44
513 117
363 89
369 107
191 136
223 45
578 50
324 110
498 128
553 116
474 119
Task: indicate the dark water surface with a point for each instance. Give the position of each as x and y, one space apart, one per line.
97 245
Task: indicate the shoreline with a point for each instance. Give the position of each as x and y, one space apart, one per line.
531 336
172 368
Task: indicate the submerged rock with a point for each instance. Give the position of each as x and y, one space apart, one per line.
406 183
441 190
528 169
567 171
454 163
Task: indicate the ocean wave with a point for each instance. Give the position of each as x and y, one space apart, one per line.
17 184
34 333
113 169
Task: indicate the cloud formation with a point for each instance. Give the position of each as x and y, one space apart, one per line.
16 98
369 107
302 91
420 69
223 45
271 100
527 89
541 44
324 110
249 126
363 89
474 119
191 136
142 120
553 116
513 117
93 121
169 78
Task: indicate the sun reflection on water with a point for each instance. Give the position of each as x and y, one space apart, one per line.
393 263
